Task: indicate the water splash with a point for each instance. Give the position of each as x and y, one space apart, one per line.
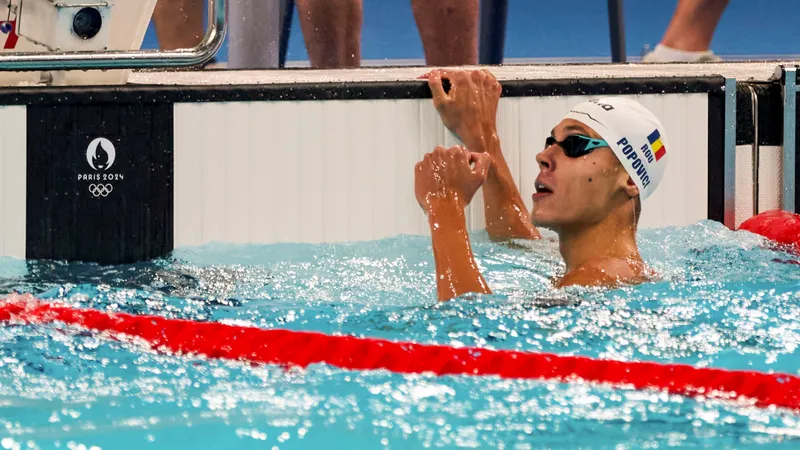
726 300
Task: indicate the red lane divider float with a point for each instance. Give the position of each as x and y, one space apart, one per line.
780 226
301 348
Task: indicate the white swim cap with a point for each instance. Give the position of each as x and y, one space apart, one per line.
634 134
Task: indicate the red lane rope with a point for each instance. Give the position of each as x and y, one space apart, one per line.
302 348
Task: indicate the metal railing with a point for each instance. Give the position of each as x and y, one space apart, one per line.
126 59
494 14
756 149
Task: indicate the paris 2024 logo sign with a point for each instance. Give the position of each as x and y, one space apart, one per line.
101 154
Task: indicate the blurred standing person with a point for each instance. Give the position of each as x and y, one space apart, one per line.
449 30
179 23
332 31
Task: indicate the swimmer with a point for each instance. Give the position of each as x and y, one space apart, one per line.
596 166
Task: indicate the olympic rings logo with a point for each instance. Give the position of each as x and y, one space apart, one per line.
100 190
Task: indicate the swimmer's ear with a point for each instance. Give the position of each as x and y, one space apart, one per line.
631 189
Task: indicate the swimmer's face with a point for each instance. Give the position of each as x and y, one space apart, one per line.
577 192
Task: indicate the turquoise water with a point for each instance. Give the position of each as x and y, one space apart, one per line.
727 300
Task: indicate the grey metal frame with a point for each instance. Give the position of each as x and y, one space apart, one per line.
789 143
254 33
729 202
126 59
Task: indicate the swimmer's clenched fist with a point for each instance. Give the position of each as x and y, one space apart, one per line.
448 174
444 183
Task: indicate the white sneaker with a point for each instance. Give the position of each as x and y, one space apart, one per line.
662 54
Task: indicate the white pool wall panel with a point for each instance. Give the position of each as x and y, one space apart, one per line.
770 170
13 119
342 170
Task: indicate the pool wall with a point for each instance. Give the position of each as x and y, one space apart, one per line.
342 170
231 157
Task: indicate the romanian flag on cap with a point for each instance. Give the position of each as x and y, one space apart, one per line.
658 147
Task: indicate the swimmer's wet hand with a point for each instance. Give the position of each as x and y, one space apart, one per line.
469 109
444 183
449 173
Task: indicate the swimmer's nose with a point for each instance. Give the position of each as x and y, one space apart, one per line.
545 158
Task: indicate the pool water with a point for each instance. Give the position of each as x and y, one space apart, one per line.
727 299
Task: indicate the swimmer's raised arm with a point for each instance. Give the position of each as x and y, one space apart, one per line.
444 183
470 111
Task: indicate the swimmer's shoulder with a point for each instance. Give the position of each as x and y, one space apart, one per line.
588 275
608 272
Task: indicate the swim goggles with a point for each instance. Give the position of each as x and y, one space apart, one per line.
576 145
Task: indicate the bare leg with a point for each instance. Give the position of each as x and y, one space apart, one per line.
693 24
179 23
449 30
332 31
